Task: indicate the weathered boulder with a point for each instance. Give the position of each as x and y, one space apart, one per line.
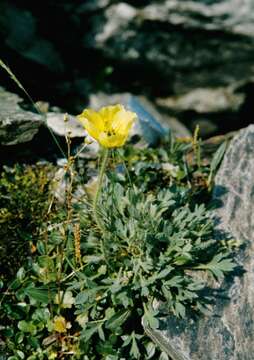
197 54
184 48
203 101
228 333
190 43
16 125
207 107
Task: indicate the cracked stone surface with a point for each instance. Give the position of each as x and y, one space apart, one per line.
16 125
184 39
228 333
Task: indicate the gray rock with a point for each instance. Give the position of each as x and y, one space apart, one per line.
200 52
196 53
202 100
228 333
71 126
16 125
236 16
149 128
190 44
210 108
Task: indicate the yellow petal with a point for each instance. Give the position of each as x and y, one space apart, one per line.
94 118
112 141
109 126
108 112
92 130
123 121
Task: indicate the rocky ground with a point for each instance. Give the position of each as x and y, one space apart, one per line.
177 64
193 59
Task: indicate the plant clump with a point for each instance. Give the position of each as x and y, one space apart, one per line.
92 288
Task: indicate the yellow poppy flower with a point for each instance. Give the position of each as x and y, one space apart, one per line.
60 324
110 126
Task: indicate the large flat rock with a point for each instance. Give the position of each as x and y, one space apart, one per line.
16 124
228 333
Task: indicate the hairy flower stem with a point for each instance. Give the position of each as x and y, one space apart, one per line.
97 218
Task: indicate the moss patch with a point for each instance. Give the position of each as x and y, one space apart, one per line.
24 200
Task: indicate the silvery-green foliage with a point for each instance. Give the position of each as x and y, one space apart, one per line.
147 263
157 240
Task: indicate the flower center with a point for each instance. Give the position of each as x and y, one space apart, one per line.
110 132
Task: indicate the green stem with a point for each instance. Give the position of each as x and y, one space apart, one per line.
97 218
